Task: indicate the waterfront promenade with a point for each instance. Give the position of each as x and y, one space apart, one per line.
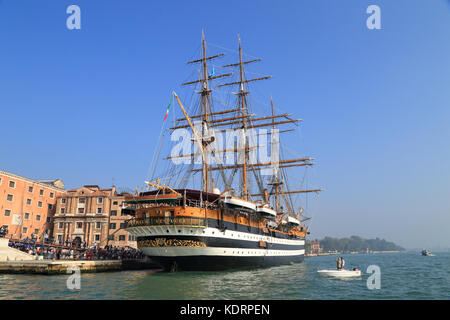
58 267
16 261
49 267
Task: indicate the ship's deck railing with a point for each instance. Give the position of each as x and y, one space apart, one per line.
168 221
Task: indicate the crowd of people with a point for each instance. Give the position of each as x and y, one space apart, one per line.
93 253
113 253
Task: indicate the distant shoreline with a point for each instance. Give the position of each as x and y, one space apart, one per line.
308 255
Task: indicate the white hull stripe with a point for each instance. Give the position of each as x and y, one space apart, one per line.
215 251
208 232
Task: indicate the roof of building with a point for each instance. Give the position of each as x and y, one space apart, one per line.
90 186
56 184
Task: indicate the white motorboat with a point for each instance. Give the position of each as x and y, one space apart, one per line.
340 273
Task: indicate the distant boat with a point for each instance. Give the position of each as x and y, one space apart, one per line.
426 253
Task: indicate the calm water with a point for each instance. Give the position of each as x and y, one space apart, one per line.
403 276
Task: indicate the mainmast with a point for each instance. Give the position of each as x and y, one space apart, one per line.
244 112
205 94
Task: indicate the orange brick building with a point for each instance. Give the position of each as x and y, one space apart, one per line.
91 215
27 206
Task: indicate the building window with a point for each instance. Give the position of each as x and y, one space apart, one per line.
38 217
115 203
36 231
52 195
80 210
79 225
24 230
63 200
82 200
30 189
0 181
62 210
123 213
112 226
10 197
7 212
121 238
99 210
98 225
111 237
61 225
113 212
49 219
41 192
40 204
50 206
122 225
26 216
99 200
12 184
28 202
59 238
97 237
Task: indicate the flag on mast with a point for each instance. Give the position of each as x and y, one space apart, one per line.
170 103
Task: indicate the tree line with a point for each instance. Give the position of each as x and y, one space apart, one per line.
355 243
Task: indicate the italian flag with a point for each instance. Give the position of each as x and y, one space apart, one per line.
168 108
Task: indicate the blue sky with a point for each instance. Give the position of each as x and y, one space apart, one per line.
86 105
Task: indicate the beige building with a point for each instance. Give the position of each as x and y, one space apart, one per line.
91 215
315 247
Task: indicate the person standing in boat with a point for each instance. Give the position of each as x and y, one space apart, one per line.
342 263
338 263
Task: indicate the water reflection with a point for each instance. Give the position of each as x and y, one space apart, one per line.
235 284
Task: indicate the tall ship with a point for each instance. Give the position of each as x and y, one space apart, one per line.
224 200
